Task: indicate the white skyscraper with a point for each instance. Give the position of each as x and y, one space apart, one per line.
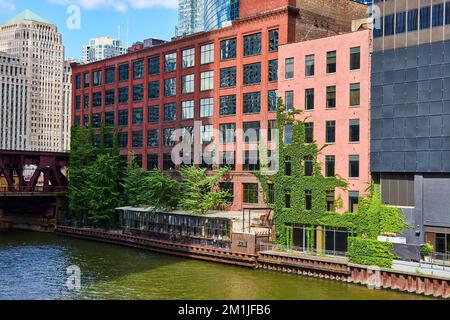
190 17
38 45
102 48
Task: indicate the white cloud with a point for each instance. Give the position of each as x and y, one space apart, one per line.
7 5
118 5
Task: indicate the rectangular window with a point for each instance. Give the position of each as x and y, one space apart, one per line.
86 120
252 102
330 135
152 162
289 98
188 58
188 84
378 30
309 132
289 68
438 15
252 45
353 171
86 101
447 13
251 132
227 133
228 77
273 40
206 107
153 138
288 166
288 134
168 164
124 72
413 20
110 75
271 193
425 16
97 99
138 69
169 137
78 82
331 62
228 187
355 58
273 70
138 92
138 116
309 166
77 121
187 110
397 189
331 97
110 97
170 87
355 94
310 65
228 49
287 199
153 66
308 200
97 78
400 24
206 134
354 130
252 73
207 53
330 164
251 161
170 62
96 120
272 100
251 193
309 99
123 140
389 25
123 118
153 114
228 105
153 90
109 119
78 102
271 127
227 160
138 139
353 197
170 112
330 201
86 80
207 81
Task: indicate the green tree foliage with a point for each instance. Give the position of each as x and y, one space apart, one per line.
200 191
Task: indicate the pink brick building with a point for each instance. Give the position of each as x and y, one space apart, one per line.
329 80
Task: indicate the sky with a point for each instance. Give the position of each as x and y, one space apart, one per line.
146 19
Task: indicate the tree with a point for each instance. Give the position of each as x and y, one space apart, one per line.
136 185
200 191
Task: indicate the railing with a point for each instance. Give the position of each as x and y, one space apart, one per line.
441 260
30 190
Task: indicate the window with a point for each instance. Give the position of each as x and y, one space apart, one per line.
97 99
288 166
271 127
330 201
228 105
188 83
330 135
228 77
207 81
86 80
251 132
425 16
354 130
78 82
330 164
110 98
252 102
96 120
97 78
252 45
123 140
124 72
355 58
123 95
447 13
353 201
309 166
153 138
168 164
153 66
170 87
287 199
308 200
153 90
251 193
153 114
309 132
227 133
152 162
271 193
86 101
170 62
138 92
331 97
288 134
138 116
289 68
252 73
169 137
207 53
389 25
273 70
353 166
331 62
109 119
110 75
397 189
170 112
138 69
378 30
123 118
309 65
438 14
137 139
188 58
413 20
228 187
355 94
289 100
206 134
251 161
273 40
309 99
228 49
206 107
400 24
272 100
78 102
187 110
77 121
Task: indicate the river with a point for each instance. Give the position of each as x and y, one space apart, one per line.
34 266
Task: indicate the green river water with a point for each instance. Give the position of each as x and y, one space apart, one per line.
34 266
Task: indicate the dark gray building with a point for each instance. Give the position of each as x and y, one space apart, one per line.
410 134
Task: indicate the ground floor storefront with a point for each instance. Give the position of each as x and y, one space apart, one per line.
439 238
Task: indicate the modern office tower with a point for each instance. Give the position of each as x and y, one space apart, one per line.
220 13
190 17
102 48
66 109
14 103
411 115
38 44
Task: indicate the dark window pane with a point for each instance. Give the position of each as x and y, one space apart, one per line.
252 44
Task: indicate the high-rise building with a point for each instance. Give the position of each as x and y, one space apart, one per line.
411 115
102 48
190 17
14 103
220 13
66 109
38 44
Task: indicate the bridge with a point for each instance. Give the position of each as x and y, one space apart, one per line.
32 188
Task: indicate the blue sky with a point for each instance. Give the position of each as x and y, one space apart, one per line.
147 18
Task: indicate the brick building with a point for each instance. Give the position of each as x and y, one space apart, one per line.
226 78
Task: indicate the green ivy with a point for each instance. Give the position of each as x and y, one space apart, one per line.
370 252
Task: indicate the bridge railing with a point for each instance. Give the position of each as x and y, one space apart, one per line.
30 190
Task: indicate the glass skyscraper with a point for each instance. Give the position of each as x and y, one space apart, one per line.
190 17
218 12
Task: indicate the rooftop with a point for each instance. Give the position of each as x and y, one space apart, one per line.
28 15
